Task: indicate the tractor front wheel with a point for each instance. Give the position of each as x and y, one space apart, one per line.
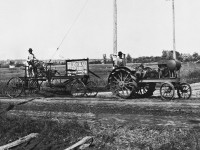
167 91
184 91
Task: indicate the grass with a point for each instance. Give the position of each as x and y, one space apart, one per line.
139 137
52 133
108 135
190 73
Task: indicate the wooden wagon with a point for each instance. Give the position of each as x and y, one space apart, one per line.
75 79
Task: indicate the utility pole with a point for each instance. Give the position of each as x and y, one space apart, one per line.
115 28
174 42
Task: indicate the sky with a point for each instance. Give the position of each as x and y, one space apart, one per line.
144 28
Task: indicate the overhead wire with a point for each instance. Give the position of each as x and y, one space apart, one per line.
69 30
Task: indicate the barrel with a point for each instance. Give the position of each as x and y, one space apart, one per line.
173 64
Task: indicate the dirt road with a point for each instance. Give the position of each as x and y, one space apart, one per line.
179 112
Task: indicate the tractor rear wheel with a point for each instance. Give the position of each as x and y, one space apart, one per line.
122 83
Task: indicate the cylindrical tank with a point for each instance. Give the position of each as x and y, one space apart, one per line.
173 64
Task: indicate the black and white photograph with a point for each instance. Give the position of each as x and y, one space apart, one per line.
99 75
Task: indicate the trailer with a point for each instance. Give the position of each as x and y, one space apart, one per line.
75 79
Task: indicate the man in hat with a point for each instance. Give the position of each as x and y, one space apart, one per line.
119 61
30 60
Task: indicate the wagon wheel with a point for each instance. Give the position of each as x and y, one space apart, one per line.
167 91
14 87
146 89
122 83
33 86
91 89
184 91
78 88
25 86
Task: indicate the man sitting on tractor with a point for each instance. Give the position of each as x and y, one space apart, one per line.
119 61
30 60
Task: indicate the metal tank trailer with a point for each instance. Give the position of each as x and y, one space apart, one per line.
128 82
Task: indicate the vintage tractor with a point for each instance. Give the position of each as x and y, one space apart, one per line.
131 82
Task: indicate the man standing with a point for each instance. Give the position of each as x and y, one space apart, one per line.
30 60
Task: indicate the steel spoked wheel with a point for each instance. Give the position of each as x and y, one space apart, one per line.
78 88
146 89
167 91
33 86
14 87
91 89
122 83
184 91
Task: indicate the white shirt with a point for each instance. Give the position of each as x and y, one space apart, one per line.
31 57
119 62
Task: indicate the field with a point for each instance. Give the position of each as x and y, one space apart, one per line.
115 124
189 72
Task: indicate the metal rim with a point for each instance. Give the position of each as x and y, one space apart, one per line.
122 83
14 87
167 91
184 91
91 89
78 88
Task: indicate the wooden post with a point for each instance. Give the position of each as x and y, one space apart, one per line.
174 42
81 142
115 27
20 141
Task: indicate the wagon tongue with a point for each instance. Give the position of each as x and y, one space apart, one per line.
94 74
71 70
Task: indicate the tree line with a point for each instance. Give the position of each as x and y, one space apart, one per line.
166 54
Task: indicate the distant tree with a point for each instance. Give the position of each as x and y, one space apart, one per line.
152 59
195 56
12 63
157 58
187 57
18 64
135 60
129 58
95 62
180 57
166 54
